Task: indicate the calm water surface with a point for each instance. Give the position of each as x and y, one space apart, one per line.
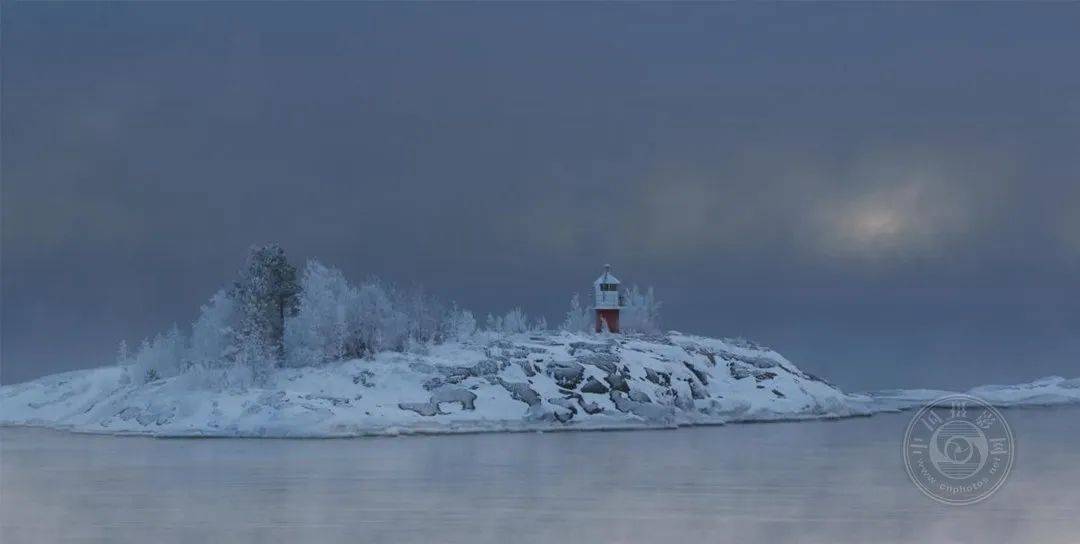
838 481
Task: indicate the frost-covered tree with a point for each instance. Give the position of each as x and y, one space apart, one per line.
337 321
458 324
266 294
257 356
327 323
214 334
493 323
640 311
123 354
423 312
269 317
162 357
382 324
578 318
513 322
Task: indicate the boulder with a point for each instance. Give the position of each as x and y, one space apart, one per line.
701 376
646 410
659 378
521 391
617 383
590 407
566 374
455 394
698 391
426 409
592 385
604 361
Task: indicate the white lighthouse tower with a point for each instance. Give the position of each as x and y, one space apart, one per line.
608 301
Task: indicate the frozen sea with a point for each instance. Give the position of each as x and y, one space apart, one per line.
819 481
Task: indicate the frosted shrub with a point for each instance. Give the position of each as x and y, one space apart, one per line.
493 323
640 312
123 355
326 323
218 357
578 318
257 355
416 347
337 321
162 357
270 317
213 335
381 326
424 314
458 324
514 322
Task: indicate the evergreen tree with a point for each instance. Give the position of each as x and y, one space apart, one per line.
266 294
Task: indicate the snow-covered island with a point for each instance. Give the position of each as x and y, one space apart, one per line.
314 356
524 381
539 381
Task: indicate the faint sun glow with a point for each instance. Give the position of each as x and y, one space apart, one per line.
876 223
905 215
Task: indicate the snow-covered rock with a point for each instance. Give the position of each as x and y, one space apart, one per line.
514 382
545 381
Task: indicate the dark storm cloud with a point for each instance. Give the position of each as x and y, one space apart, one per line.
879 191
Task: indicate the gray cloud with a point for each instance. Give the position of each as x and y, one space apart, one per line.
791 174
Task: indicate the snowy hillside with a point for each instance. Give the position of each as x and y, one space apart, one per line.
538 381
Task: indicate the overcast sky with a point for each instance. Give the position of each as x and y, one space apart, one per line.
887 194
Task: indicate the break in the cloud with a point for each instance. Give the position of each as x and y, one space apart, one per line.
899 206
876 209
735 156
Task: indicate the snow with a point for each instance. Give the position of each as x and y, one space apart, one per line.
1050 391
606 277
515 382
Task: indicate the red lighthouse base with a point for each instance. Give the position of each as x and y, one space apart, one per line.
611 317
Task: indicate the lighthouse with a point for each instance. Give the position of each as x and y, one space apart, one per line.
608 301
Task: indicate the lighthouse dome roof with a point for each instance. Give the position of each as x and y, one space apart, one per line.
606 277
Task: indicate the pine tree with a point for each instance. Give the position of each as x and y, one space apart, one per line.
266 294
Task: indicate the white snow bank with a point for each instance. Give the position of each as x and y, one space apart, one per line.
1050 391
549 381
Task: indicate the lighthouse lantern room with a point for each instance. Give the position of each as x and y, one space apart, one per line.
608 301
